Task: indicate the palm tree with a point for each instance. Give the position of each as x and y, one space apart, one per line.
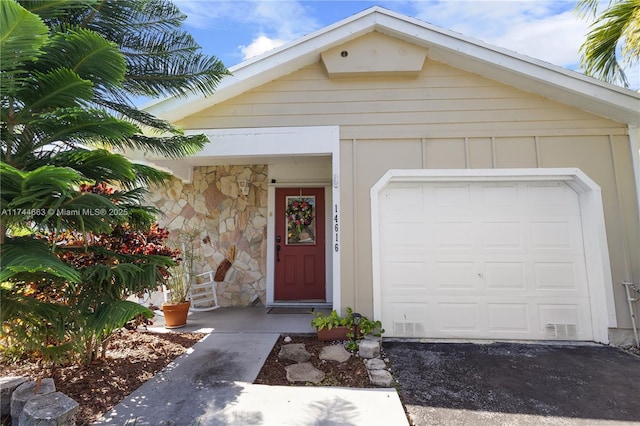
616 30
48 112
161 60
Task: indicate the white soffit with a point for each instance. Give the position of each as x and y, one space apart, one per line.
445 46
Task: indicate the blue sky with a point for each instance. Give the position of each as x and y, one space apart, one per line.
237 30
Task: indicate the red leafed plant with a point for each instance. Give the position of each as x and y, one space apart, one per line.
128 260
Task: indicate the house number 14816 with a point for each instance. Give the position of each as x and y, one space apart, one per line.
336 227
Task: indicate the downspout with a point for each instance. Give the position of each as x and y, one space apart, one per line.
634 147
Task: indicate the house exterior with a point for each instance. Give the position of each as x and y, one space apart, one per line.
449 188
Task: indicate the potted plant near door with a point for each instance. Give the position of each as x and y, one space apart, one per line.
332 326
176 308
178 284
353 326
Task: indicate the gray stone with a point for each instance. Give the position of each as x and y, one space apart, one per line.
375 364
52 409
304 372
24 393
335 353
381 378
369 349
295 352
7 386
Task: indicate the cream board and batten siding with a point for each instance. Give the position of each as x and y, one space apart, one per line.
443 118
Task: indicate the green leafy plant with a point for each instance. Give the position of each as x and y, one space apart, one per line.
366 326
332 320
181 276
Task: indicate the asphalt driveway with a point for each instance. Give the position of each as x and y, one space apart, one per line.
520 384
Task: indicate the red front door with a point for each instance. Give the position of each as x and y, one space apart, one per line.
300 249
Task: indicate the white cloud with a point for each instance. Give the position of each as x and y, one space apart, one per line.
269 23
555 39
545 30
260 45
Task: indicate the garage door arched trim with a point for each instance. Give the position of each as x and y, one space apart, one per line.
596 254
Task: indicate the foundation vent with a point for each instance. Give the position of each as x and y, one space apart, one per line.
408 329
561 331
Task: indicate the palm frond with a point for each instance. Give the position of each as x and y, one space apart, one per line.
148 175
599 51
112 315
169 146
88 54
57 88
138 116
177 75
97 165
22 35
81 126
27 256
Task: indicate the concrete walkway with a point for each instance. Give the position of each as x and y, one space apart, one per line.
212 383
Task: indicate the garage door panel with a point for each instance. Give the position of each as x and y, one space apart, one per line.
567 320
552 198
499 234
509 317
556 276
457 317
556 235
403 236
408 319
403 274
459 275
453 195
485 260
453 235
505 275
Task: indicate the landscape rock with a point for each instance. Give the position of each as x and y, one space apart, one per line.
304 372
7 386
375 364
52 409
369 349
335 353
24 393
294 352
381 378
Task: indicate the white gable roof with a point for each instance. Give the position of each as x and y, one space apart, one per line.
525 73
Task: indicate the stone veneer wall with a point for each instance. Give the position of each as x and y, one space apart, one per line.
214 207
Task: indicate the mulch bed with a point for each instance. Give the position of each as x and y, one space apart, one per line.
132 359
352 373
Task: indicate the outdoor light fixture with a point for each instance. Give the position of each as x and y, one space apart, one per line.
244 188
356 317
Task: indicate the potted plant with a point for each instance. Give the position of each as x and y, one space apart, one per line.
352 327
332 326
178 284
176 308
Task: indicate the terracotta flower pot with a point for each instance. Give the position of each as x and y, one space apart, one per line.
336 333
175 314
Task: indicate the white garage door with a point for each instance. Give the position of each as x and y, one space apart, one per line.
479 260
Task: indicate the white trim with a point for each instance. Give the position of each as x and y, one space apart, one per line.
594 233
267 142
634 147
446 46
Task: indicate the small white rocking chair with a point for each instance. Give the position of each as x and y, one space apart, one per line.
202 293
